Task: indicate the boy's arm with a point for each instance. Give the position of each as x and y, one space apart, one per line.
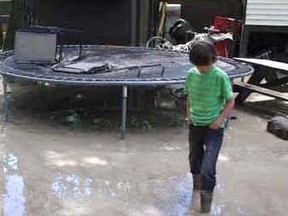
188 116
188 102
227 94
224 114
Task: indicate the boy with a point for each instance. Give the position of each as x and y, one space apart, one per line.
209 102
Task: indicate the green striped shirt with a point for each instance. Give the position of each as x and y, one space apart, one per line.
208 93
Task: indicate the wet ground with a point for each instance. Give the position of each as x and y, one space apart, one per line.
53 170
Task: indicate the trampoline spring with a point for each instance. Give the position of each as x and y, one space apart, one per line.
162 71
139 71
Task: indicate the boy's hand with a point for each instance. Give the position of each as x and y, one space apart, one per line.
188 120
216 124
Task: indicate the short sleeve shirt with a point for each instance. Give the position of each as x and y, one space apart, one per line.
208 93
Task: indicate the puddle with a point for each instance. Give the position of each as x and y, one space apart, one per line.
10 162
169 197
230 208
172 148
217 210
71 186
173 196
14 199
183 196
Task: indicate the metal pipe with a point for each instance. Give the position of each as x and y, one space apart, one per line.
124 111
160 31
134 20
6 99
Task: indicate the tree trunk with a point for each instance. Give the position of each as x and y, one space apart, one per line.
19 18
1 34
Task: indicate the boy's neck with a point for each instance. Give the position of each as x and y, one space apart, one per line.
206 70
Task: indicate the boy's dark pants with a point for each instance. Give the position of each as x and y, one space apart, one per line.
205 145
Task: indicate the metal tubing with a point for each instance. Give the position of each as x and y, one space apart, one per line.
124 111
162 71
6 99
167 76
134 22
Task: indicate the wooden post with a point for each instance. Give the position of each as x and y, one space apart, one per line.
20 17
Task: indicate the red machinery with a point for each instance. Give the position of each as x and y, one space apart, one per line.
226 25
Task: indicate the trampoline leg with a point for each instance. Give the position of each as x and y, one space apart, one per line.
124 111
6 99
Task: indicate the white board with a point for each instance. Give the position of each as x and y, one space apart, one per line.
266 62
35 47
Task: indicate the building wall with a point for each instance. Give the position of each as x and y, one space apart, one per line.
117 22
267 12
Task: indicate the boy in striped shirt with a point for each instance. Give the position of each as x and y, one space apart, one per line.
209 102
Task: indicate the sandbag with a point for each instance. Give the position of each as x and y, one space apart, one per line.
279 127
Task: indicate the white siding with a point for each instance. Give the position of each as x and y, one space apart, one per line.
267 12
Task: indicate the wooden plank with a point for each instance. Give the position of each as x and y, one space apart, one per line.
264 91
276 82
267 63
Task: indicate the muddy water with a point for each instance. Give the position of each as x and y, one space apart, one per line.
52 170
14 198
55 171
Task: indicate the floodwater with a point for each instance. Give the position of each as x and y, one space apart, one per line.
57 171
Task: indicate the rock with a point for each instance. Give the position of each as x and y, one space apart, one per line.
279 127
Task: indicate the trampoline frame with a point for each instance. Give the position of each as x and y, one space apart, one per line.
10 72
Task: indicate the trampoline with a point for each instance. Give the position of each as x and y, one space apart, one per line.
112 66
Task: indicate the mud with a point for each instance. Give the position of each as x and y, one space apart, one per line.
53 170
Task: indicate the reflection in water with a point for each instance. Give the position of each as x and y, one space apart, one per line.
183 195
177 201
10 162
217 209
14 200
66 185
170 197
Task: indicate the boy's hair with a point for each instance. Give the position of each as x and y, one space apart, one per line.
202 54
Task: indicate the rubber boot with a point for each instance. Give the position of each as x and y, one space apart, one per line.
196 181
206 200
